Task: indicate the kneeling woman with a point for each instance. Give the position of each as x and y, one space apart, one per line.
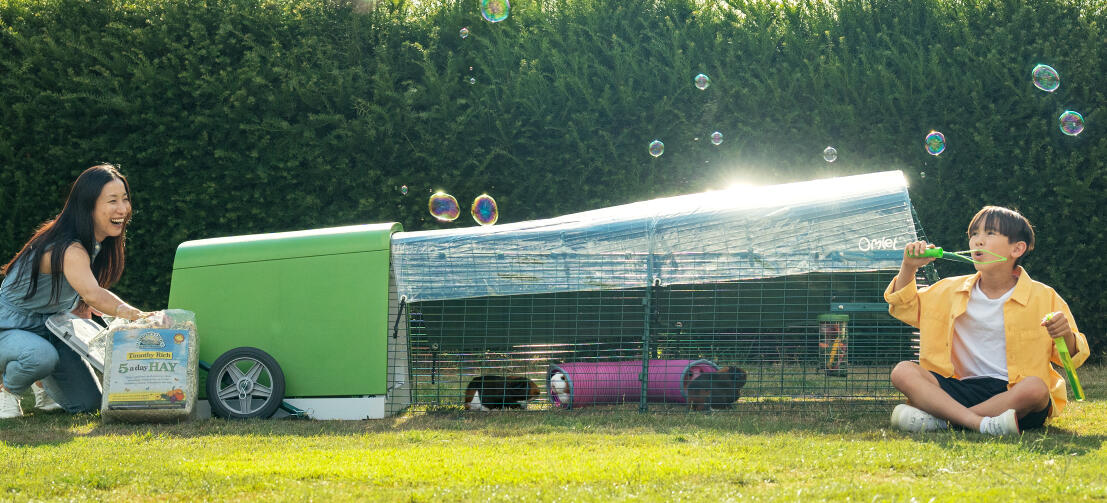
68 264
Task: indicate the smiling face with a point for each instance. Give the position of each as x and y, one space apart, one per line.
112 211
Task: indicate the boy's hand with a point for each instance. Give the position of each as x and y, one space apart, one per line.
1057 325
916 248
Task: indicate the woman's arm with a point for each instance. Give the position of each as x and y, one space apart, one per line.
78 272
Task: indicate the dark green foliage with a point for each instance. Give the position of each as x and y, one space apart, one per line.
245 116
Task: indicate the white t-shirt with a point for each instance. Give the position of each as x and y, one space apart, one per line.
979 343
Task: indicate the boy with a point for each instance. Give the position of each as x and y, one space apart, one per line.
985 345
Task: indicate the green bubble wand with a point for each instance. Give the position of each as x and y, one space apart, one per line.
959 256
1066 362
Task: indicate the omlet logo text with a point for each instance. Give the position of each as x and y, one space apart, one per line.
866 244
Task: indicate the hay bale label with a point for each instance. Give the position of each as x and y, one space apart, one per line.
150 367
150 370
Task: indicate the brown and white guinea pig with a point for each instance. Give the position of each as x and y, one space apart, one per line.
499 392
716 390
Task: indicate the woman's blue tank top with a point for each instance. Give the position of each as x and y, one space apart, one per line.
18 312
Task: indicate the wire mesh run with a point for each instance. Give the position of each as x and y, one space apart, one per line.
758 344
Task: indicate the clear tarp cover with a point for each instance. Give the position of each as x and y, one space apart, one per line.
853 223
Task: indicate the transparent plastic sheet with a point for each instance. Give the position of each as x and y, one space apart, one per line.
150 367
846 224
79 334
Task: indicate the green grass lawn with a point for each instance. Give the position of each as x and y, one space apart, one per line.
809 453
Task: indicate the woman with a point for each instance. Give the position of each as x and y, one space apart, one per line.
68 264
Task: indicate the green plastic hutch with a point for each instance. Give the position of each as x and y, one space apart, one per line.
321 302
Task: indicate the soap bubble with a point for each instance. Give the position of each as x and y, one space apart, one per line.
495 10
830 154
484 210
472 80
935 143
1046 78
443 207
702 81
403 189
465 32
1072 123
657 148
716 138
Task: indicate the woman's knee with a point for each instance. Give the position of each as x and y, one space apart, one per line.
39 360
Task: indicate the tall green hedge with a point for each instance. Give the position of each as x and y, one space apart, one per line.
245 116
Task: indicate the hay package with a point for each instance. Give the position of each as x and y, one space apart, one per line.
150 368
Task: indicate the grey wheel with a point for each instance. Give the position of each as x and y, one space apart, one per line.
245 383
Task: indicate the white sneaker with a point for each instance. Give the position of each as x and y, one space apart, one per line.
9 405
43 401
1003 424
908 418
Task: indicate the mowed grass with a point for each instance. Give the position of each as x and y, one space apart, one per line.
597 454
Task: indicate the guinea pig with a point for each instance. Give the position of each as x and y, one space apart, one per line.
499 392
560 388
716 390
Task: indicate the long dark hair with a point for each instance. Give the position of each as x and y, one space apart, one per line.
75 223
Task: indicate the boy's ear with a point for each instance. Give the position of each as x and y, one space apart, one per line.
1019 249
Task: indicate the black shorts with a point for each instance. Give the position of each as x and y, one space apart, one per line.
969 392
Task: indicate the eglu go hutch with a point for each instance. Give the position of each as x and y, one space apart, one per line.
784 281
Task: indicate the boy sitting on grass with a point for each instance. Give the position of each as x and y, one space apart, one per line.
984 344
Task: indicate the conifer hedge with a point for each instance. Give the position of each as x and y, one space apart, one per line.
246 116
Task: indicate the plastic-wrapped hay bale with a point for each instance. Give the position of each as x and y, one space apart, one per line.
150 368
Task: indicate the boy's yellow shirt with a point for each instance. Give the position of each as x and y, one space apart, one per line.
1029 347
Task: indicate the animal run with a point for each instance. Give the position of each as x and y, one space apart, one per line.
750 298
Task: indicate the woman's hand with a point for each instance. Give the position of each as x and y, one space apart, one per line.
130 312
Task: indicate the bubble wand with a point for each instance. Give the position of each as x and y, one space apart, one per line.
960 256
1066 362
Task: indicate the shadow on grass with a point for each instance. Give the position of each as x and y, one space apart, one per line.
38 429
849 420
1046 440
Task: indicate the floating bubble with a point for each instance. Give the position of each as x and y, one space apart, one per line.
830 154
657 148
495 10
702 81
1046 78
484 210
403 189
465 32
443 207
935 143
716 138
922 174
1072 123
472 80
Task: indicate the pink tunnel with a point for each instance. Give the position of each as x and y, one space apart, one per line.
593 383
